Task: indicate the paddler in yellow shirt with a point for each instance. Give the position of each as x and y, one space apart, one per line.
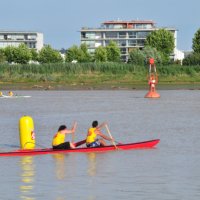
10 94
59 138
92 139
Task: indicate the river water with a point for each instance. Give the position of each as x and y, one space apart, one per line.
169 172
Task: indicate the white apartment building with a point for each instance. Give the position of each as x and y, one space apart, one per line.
127 34
33 40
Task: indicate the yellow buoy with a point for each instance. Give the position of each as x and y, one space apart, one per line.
26 133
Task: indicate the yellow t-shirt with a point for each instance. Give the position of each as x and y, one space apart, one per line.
58 139
91 137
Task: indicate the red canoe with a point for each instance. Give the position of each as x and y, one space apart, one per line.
138 145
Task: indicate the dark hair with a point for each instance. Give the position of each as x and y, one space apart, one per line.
94 124
61 128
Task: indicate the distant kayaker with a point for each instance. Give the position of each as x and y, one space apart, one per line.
10 94
59 138
1 94
92 139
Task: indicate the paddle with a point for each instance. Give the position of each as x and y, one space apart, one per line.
118 142
77 144
73 133
109 133
73 137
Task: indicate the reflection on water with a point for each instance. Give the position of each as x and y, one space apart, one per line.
27 178
91 164
60 165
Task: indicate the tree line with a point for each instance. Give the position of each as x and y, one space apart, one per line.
23 55
158 44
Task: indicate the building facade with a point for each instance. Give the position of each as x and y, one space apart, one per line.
127 34
33 40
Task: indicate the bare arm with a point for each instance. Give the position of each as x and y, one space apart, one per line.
103 136
73 129
101 125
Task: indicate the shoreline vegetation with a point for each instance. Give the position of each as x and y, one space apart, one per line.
88 76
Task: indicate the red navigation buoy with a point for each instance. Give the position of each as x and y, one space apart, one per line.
151 61
152 80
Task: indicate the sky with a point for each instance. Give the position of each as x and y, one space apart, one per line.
61 20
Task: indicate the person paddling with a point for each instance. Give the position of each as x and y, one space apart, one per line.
10 94
92 139
59 138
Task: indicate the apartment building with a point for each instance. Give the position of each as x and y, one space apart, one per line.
127 34
33 40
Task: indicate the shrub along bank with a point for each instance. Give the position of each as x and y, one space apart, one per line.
95 73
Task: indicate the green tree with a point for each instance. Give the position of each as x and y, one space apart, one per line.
100 54
49 55
73 53
79 54
196 42
150 52
22 54
192 59
162 40
84 54
137 57
34 55
2 56
113 52
10 53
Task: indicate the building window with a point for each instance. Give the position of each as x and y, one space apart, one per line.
111 34
107 42
31 45
90 44
143 26
90 35
18 37
142 34
123 50
139 26
122 34
124 58
140 42
147 26
83 35
132 34
132 43
32 37
115 26
122 43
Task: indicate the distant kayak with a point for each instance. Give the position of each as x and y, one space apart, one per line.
130 146
14 97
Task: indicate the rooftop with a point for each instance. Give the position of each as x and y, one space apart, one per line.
17 31
130 22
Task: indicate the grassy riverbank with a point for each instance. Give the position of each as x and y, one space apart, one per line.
93 76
